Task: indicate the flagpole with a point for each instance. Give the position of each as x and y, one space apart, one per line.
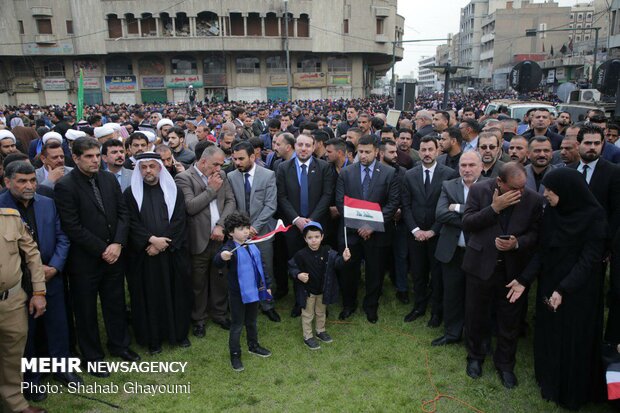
346 244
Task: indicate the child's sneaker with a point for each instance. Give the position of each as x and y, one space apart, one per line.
259 351
324 337
235 362
312 344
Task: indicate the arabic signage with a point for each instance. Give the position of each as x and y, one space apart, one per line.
120 83
153 82
278 80
60 48
183 81
309 79
54 84
91 83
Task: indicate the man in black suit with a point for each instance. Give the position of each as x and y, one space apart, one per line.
305 190
371 181
603 178
501 223
451 245
541 121
421 190
95 218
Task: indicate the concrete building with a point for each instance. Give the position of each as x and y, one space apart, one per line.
614 29
427 78
133 51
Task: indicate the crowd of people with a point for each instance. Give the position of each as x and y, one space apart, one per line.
474 209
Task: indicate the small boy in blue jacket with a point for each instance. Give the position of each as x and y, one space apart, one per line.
246 286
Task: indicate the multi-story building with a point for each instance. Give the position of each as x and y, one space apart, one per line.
132 51
470 31
427 78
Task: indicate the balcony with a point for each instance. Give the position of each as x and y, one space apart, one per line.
45 39
41 11
381 38
487 55
382 12
487 37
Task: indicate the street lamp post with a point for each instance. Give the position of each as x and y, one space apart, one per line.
288 54
447 70
534 32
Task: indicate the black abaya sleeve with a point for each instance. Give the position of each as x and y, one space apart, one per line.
532 270
138 235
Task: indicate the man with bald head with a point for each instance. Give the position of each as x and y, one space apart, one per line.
423 125
451 245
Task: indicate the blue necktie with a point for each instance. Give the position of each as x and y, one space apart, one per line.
303 194
366 183
248 190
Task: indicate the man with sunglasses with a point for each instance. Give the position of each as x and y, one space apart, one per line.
489 149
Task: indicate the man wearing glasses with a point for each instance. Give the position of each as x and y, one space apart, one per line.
489 149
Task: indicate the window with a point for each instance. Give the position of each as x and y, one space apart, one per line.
271 24
132 24
44 26
247 64
214 66
254 25
379 26
579 17
586 37
303 26
236 25
572 16
114 27
345 26
119 66
23 69
184 65
20 23
148 25
542 27
309 64
69 26
338 64
578 38
276 64
54 68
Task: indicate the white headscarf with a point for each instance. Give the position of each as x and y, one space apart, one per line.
166 182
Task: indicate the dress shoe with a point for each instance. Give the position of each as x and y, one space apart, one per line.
403 297
474 368
224 324
296 312
33 409
66 378
508 379
434 322
185 343
443 341
199 330
154 350
128 355
272 314
413 315
346 313
278 295
372 317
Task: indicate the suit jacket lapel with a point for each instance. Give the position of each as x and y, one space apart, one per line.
460 191
376 175
89 192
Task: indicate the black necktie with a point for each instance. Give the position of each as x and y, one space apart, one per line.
366 183
427 182
248 190
585 171
303 195
97 193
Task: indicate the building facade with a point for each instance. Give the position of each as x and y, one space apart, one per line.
131 52
427 78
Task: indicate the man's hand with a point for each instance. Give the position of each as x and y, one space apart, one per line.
501 202
333 212
301 222
49 272
215 181
152 251
111 253
365 233
346 254
516 289
506 244
55 174
253 232
161 243
303 277
217 234
555 300
423 235
397 215
179 167
226 255
37 305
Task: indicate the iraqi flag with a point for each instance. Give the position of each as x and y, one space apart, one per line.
613 381
359 213
260 238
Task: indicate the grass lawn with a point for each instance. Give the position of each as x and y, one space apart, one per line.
386 367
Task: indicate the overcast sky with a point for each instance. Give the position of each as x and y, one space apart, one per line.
432 19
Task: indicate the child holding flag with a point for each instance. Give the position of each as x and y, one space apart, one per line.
315 268
246 286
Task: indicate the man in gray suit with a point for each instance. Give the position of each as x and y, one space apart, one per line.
256 195
113 158
451 245
53 158
209 199
540 154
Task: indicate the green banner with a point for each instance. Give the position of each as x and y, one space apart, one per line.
80 97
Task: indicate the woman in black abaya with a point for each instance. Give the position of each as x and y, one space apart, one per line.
569 299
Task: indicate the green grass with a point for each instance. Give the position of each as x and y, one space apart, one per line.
368 368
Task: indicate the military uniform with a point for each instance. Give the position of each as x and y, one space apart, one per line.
13 313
